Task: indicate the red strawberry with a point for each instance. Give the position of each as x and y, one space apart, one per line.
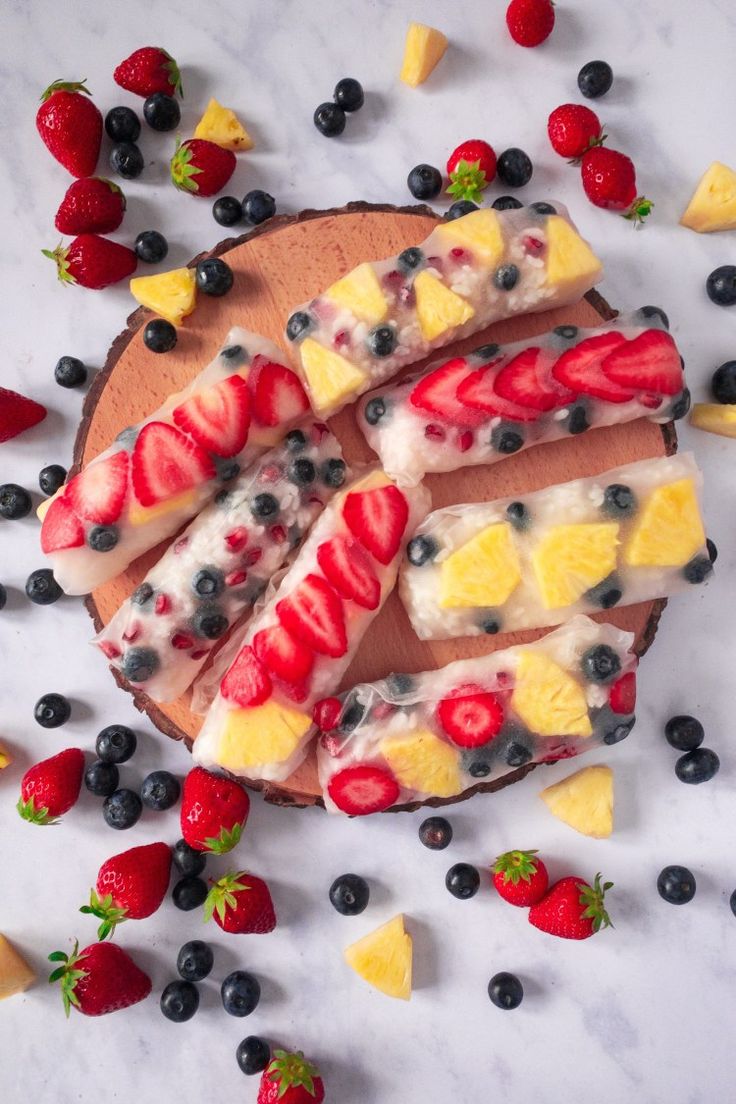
436 393
92 261
530 22
241 904
149 70
61 528
17 414
282 654
363 789
201 167
290 1079
609 180
130 886
579 368
650 362
165 463
470 716
51 787
313 613
100 979
478 390
218 417
520 878
471 167
326 714
573 129
525 380
622 698
214 811
572 909
378 519
347 566
90 206
98 492
246 682
278 395
70 126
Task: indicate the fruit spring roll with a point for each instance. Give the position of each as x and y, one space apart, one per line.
434 735
469 272
629 535
296 649
215 572
497 400
158 474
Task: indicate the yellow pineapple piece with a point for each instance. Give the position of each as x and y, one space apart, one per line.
668 531
548 699
172 294
438 308
713 205
422 761
5 758
141 515
482 572
383 958
425 46
360 293
267 733
715 418
330 378
15 973
43 507
480 231
221 125
570 260
584 800
571 559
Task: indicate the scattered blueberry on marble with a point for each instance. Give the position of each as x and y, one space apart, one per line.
3 596
329 119
505 991
15 502
253 1055
116 744
697 766
349 894
179 1001
506 203
435 833
514 168
258 206
349 94
595 79
723 384
676 885
122 124
101 779
463 881
51 478
424 182
188 860
151 247
161 112
52 710
684 733
227 211
160 790
122 809
126 160
42 588
189 893
70 372
240 992
195 960
721 286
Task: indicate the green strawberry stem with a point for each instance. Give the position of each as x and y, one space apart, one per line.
182 169
174 74
225 841
592 143
222 896
516 866
292 1071
27 809
65 86
592 897
59 256
468 180
638 211
68 975
106 911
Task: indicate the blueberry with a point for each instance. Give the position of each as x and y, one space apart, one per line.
619 501
258 206
299 325
3 596
253 1055
374 410
151 247
490 625
518 515
122 809
142 594
349 894
400 684
240 993
697 766
348 94
435 833
506 440
295 440
235 355
381 341
208 582
352 716
605 594
51 478
463 881
127 437
595 79
649 312
116 744
140 664
52 710
194 960
506 203
189 893
329 119
723 384
676 885
698 569
227 469
569 333
514 168
712 550
618 731
101 779
421 549
227 210
684 733
459 208
516 754
15 502
680 405
160 790
505 991
600 663
70 372
543 208
506 277
188 860
411 259
721 286
486 352
126 160
302 472
103 538
332 472
265 505
161 112
424 182
159 336
732 902
122 124
477 762
179 1001
223 499
42 588
578 420
214 276
210 622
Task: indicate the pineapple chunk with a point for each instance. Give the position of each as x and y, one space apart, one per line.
548 699
570 260
669 531
360 293
584 800
424 47
172 294
267 733
571 559
713 205
383 958
15 973
482 572
480 231
714 418
5 758
423 762
331 378
438 308
142 515
221 125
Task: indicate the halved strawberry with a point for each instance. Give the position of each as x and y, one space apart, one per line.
61 527
378 519
282 654
346 565
166 462
363 789
246 682
478 391
622 698
650 362
525 380
278 395
218 418
314 613
98 493
580 368
470 716
436 394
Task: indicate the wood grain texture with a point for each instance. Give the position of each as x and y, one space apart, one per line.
277 266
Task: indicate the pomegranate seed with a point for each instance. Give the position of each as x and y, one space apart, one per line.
435 262
252 557
163 604
342 337
393 278
132 633
434 433
319 430
561 751
109 649
464 440
458 253
382 710
181 545
182 641
408 296
332 744
323 309
200 653
326 713
278 534
503 678
650 401
235 578
315 499
533 246
237 539
270 473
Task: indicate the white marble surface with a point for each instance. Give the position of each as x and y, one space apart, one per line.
644 1012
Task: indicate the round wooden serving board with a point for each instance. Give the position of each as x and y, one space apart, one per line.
277 266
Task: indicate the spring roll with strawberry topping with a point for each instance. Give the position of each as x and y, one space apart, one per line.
217 569
158 474
297 648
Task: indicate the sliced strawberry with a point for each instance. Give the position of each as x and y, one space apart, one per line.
61 527
346 565
277 392
622 698
580 368
525 380
218 418
436 394
378 519
282 654
98 493
166 462
650 362
246 682
479 392
314 613
360 790
470 716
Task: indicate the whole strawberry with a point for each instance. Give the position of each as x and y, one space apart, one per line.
609 180
148 70
241 904
572 909
520 878
201 167
530 22
92 261
51 787
290 1079
70 126
471 167
17 414
130 886
100 979
90 206
573 129
214 811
